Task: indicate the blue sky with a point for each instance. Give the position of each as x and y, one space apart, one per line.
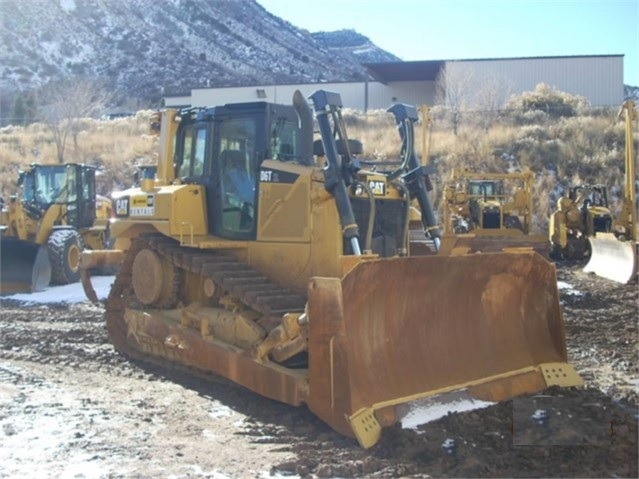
466 29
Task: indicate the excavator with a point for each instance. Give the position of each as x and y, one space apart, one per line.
486 212
45 227
284 266
613 254
581 213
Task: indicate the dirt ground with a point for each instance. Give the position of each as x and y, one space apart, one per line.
70 406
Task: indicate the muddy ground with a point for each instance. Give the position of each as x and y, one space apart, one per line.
70 406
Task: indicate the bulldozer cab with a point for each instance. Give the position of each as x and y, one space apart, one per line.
485 189
222 148
70 185
595 195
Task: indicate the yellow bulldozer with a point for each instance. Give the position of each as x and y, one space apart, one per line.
613 254
290 273
581 213
485 212
45 227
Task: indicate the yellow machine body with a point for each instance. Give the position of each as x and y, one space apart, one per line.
581 213
44 229
489 212
614 254
295 312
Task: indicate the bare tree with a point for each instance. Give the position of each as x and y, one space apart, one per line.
65 103
454 89
491 95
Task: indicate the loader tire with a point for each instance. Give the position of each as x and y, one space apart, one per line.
556 253
65 247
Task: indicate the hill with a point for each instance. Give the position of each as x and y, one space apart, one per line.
146 48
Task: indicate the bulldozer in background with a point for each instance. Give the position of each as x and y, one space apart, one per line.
581 213
486 212
613 254
45 227
289 273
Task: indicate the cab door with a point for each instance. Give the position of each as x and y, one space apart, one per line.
232 195
85 196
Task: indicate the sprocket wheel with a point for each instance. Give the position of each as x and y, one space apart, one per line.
155 280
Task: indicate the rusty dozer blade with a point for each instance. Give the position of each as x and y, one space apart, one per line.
397 330
24 266
611 258
453 245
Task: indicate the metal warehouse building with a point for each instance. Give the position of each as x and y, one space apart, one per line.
477 83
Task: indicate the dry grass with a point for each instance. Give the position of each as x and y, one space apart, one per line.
560 151
114 146
587 148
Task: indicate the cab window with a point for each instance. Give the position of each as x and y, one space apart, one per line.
284 141
192 152
236 157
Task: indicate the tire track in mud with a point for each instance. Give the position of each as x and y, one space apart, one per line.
134 419
601 319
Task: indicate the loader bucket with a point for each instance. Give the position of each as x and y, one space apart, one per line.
24 266
611 258
397 330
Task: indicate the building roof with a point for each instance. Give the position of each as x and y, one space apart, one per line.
405 71
428 70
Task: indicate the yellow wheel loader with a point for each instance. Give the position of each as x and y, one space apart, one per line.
581 213
44 229
290 273
487 212
614 254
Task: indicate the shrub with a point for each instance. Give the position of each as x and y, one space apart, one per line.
552 102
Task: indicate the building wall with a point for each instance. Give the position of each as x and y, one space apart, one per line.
357 95
353 94
381 96
598 78
177 101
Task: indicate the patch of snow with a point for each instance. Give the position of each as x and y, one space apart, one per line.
277 475
569 289
199 472
67 5
221 411
449 445
539 414
68 293
430 409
